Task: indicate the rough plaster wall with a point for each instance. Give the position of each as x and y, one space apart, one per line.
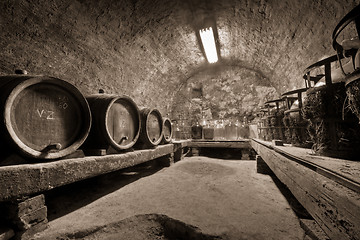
148 49
124 47
279 38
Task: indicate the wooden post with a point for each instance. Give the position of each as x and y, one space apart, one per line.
166 161
261 166
178 151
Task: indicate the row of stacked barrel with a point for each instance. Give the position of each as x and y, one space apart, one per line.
49 118
282 119
325 114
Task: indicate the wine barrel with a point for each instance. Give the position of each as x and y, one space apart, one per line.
151 127
116 122
43 117
167 130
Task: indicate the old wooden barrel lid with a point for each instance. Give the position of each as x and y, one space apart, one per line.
167 130
46 117
122 122
152 126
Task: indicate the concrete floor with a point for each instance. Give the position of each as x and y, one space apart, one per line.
225 199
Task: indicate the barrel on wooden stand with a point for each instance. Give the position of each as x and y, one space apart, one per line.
276 110
263 127
168 131
350 49
334 130
295 125
42 117
116 123
151 128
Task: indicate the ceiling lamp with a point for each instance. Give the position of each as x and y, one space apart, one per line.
208 42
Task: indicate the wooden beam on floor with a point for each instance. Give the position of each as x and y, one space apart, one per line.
220 144
334 206
28 179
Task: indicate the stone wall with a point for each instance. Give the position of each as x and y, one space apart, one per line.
149 50
226 92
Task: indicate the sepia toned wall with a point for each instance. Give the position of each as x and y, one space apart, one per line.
148 50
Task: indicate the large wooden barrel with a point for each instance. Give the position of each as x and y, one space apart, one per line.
42 117
151 127
167 130
116 122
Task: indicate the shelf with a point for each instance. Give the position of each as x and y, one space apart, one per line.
327 187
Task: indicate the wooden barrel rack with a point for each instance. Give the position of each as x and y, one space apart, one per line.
334 131
295 124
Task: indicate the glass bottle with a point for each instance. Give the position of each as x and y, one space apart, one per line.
196 131
239 131
231 131
236 129
177 132
216 130
222 130
227 127
245 128
208 131
203 124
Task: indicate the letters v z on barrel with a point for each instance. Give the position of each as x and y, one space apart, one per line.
45 117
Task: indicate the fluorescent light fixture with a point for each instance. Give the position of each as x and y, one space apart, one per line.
208 41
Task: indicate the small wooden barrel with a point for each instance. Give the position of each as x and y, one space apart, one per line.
168 131
116 122
151 127
43 117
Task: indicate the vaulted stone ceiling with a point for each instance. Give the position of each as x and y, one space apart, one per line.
148 49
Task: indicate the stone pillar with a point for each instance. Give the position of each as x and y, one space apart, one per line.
28 216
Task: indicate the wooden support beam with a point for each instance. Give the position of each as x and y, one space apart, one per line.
261 166
178 149
220 144
165 161
27 179
334 206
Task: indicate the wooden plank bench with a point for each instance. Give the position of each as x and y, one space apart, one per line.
22 185
244 145
327 187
